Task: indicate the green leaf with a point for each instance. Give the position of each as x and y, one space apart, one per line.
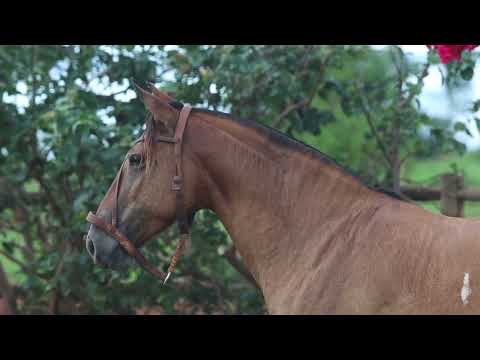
476 106
433 57
460 126
477 122
467 73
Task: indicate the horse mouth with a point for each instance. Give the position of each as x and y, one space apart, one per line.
120 260
115 258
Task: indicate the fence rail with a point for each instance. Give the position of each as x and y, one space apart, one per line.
452 194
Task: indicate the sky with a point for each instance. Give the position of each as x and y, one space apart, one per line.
434 99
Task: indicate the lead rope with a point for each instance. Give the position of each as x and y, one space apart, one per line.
176 255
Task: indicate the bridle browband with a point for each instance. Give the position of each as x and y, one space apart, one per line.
181 211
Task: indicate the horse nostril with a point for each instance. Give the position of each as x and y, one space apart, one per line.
91 249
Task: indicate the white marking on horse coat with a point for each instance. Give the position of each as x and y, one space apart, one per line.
466 290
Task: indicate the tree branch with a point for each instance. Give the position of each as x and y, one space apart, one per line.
288 110
7 292
406 156
34 80
231 257
306 102
306 58
51 199
399 70
373 129
394 151
56 295
23 266
209 282
68 190
424 73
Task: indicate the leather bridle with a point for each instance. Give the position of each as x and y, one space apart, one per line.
181 211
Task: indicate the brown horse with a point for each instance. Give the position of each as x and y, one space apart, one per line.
315 238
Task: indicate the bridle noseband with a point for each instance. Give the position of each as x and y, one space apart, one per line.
181 211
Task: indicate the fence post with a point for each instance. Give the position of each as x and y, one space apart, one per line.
450 203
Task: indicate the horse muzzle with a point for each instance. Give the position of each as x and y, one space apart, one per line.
106 252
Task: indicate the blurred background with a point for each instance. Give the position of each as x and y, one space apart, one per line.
392 114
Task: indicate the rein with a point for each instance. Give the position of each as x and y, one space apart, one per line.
181 211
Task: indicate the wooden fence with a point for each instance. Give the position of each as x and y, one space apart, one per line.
452 194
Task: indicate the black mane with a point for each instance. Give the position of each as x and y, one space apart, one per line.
281 139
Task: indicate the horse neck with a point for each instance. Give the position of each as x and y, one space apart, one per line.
270 198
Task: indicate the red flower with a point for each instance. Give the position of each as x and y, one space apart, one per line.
448 53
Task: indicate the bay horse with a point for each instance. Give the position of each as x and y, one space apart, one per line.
316 239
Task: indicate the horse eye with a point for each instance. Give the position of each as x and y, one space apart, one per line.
135 159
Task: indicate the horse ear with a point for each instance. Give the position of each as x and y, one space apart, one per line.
161 110
160 94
